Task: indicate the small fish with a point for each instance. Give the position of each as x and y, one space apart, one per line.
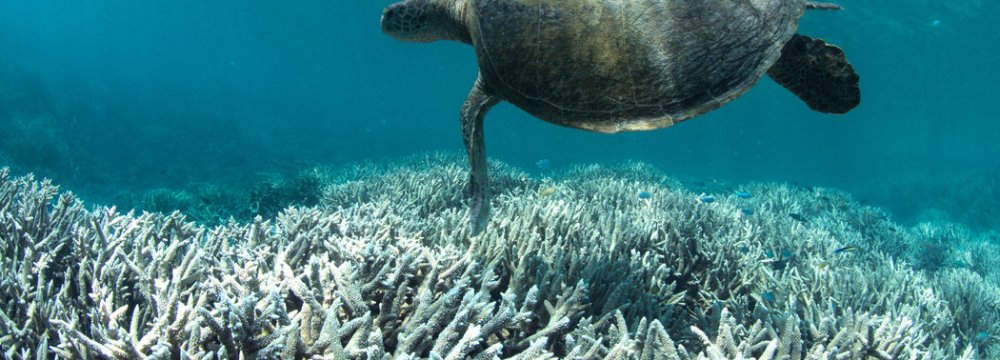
823 265
780 265
747 211
743 195
768 296
708 199
848 248
546 192
798 217
699 183
982 336
935 22
543 164
781 262
645 195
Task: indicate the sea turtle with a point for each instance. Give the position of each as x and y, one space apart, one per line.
623 65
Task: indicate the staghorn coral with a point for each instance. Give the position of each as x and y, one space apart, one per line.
384 268
269 197
208 204
975 303
215 203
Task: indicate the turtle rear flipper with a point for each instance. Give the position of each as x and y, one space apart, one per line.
818 73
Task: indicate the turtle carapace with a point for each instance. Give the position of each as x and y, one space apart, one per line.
613 65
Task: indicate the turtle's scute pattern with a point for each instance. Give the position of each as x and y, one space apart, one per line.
612 65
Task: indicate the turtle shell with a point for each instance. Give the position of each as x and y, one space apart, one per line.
617 65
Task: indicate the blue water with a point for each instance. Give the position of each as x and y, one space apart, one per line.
110 96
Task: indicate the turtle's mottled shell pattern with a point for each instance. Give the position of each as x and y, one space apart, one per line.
616 65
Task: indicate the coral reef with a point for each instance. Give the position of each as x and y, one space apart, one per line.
31 135
383 267
216 203
270 196
970 199
208 204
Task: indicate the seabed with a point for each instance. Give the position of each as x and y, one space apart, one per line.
382 266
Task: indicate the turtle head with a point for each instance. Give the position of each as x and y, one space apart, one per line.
425 20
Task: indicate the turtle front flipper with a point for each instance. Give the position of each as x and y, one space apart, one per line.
819 74
473 111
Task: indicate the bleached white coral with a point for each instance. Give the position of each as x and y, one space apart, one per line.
386 269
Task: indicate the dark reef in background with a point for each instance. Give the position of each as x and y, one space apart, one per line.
32 134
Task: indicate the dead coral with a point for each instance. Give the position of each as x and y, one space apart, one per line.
385 269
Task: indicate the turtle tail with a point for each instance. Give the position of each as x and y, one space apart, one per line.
819 74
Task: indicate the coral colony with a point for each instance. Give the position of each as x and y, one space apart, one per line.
383 268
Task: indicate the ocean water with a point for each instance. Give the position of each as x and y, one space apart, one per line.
167 93
228 108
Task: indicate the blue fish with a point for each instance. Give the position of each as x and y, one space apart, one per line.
708 199
747 211
848 248
543 164
743 195
798 217
982 336
768 296
779 263
645 195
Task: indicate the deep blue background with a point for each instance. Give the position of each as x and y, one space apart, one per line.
162 93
